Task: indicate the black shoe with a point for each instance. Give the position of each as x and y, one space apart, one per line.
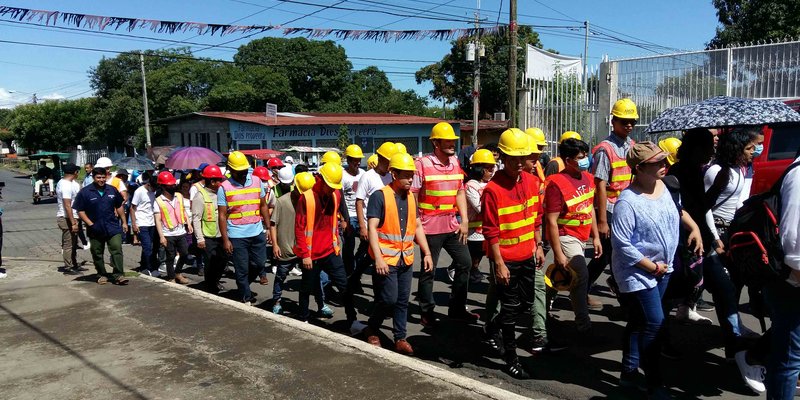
540 345
703 306
494 341
201 271
669 351
80 269
461 314
516 370
71 271
476 276
632 380
428 319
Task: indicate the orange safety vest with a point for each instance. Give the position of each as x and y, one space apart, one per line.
244 203
517 220
438 193
619 175
311 209
392 242
577 221
560 163
165 216
475 220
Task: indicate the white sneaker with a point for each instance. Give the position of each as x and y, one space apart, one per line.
753 375
357 327
451 273
3 275
274 270
687 314
747 332
156 273
163 268
295 272
88 246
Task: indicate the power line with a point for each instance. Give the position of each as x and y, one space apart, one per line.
405 18
378 11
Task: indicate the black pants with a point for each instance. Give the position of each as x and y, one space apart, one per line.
362 261
598 265
215 260
516 299
333 266
176 244
462 263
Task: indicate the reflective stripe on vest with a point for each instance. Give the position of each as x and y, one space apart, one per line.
440 187
244 203
619 174
577 220
210 217
392 242
166 218
311 209
517 222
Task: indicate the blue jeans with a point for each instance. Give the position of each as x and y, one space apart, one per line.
333 266
783 365
148 237
644 331
282 269
724 293
247 252
391 295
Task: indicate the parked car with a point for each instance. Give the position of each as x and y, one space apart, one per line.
781 142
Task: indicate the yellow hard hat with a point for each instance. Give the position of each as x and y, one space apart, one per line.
559 278
332 174
569 135
304 181
625 109
537 135
387 150
402 161
353 151
372 161
514 142
670 146
482 156
237 161
443 130
331 157
401 148
534 148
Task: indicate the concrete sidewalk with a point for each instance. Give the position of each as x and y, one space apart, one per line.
71 338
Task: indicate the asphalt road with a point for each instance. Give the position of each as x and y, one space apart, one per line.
589 368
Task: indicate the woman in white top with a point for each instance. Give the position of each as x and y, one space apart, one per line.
482 167
724 182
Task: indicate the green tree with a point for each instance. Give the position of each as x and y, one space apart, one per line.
343 140
744 21
52 125
452 77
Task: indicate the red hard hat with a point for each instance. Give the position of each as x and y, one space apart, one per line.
275 163
166 178
212 171
262 173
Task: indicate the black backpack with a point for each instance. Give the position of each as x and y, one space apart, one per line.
754 242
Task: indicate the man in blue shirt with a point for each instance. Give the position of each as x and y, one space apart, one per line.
99 206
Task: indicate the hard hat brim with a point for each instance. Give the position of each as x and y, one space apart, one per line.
331 184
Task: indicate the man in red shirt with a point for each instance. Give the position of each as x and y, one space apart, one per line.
570 219
316 227
511 215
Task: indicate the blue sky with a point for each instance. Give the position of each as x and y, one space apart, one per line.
62 73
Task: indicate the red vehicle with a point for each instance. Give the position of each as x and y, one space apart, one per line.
781 142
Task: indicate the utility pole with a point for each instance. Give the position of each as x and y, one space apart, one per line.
144 102
35 99
585 55
512 64
476 89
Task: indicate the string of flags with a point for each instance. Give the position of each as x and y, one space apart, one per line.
102 23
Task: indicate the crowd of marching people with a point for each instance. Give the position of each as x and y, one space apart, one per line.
657 213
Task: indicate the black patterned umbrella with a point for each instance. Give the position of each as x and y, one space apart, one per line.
723 111
138 163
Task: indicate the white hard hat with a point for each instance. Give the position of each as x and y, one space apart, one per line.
288 159
286 175
103 162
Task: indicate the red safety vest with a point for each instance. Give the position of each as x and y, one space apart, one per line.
517 220
244 203
438 192
166 218
577 220
619 175
311 209
392 242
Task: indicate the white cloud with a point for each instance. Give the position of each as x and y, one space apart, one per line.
54 96
11 98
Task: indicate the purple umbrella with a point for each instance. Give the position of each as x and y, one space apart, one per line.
192 157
